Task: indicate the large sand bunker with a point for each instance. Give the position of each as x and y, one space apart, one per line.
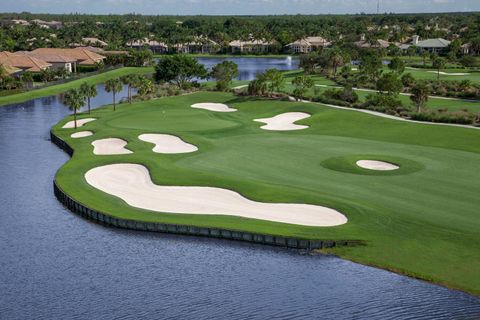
110 146
81 134
218 107
132 183
166 143
80 123
377 165
284 121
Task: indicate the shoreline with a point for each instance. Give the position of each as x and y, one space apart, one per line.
60 88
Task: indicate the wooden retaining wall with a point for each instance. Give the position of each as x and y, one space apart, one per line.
108 220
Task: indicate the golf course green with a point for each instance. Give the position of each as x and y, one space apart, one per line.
421 220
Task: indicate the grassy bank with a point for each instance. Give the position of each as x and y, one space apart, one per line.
59 88
421 220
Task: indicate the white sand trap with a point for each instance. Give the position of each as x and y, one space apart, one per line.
80 123
81 134
450 74
110 146
284 121
218 107
377 165
132 183
166 143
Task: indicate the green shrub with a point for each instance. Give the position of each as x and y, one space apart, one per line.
459 117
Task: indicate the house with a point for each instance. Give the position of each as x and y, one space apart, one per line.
57 61
81 56
377 44
198 45
250 46
308 44
89 41
437 45
154 46
48 24
25 63
20 22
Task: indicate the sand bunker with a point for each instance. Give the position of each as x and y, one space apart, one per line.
284 121
81 134
377 165
132 183
166 143
218 107
80 123
110 146
450 74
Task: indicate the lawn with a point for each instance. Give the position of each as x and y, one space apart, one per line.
422 220
59 88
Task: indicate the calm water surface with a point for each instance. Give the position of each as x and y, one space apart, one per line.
55 265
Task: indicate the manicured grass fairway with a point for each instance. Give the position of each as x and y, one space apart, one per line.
56 89
423 220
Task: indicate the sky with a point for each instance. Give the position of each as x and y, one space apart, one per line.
236 7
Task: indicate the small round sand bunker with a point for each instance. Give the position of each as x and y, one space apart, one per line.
132 183
218 107
284 121
80 123
81 134
110 146
166 143
377 165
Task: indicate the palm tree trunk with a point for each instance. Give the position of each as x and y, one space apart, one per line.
88 105
130 94
75 117
113 100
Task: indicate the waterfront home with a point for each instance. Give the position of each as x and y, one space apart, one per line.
153 45
77 56
198 45
57 61
17 63
48 24
251 46
308 44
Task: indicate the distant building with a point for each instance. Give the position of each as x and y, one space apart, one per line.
20 22
308 44
376 44
154 46
48 24
250 46
437 45
198 45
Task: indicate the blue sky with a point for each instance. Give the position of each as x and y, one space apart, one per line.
237 7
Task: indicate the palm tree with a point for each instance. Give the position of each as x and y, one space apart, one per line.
74 99
131 80
88 91
114 86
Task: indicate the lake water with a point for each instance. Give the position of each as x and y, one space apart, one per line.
56 265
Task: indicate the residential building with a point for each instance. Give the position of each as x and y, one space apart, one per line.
250 46
153 45
437 45
198 45
82 57
57 61
308 44
12 61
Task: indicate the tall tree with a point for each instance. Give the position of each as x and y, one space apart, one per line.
130 80
75 100
114 86
302 84
224 72
439 64
274 79
179 69
419 95
89 91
